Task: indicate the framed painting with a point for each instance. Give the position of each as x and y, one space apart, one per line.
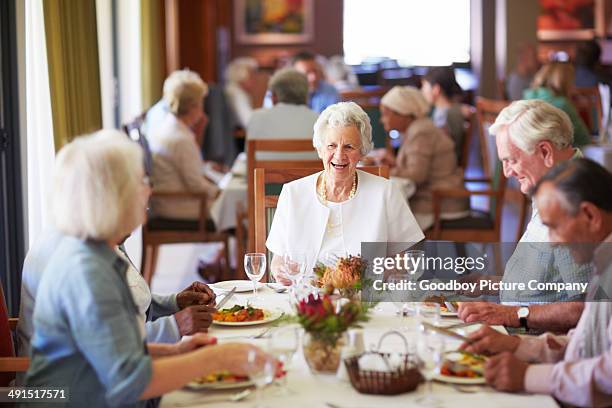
273 21
566 20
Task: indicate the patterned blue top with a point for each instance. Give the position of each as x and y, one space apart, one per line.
86 335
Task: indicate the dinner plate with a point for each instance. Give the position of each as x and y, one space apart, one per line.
241 286
448 313
229 385
459 380
269 316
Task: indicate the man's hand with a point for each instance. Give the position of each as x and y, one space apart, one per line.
191 343
490 313
194 319
197 293
489 341
505 372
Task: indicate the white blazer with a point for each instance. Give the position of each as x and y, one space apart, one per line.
377 213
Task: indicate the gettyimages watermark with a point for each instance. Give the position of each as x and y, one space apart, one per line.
504 272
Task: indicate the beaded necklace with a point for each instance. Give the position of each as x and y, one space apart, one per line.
323 190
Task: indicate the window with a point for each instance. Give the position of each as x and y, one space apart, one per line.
415 33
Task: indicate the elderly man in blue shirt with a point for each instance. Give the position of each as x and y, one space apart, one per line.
320 93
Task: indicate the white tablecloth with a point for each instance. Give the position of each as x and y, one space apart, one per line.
313 391
223 210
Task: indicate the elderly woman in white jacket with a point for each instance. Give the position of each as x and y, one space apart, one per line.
335 210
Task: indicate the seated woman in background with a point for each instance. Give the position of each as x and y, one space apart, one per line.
440 89
426 156
553 84
335 210
177 162
86 331
239 86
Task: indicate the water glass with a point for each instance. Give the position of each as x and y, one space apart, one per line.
255 268
430 354
283 344
415 262
294 268
429 312
261 374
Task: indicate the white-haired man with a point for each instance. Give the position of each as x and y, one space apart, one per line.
240 83
289 118
532 136
575 202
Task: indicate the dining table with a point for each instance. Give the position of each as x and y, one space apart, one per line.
309 390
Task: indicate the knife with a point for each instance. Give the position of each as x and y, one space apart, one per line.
226 298
447 332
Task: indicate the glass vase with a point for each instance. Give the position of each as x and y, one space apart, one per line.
322 355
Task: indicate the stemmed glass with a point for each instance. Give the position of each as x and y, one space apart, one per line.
430 353
293 268
255 268
283 344
261 374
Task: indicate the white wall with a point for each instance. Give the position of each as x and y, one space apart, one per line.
108 84
130 81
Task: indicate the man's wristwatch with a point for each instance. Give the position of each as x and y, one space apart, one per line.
523 314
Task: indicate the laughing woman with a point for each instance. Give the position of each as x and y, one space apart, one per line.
86 332
335 210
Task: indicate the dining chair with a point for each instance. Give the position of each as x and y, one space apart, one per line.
588 104
479 226
9 363
159 231
265 202
277 146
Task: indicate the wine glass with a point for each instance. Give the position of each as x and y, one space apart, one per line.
261 374
293 269
415 262
255 268
430 353
429 312
283 344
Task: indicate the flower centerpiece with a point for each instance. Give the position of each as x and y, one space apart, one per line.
325 324
345 276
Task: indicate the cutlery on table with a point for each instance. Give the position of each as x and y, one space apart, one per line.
227 398
463 324
226 298
447 332
276 288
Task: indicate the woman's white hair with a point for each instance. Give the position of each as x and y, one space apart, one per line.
96 186
183 90
531 121
240 69
344 114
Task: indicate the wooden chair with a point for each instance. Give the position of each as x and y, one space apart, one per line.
588 104
469 116
9 363
160 231
272 145
479 226
264 201
365 97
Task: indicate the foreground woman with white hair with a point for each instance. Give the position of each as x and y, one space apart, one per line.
335 210
86 332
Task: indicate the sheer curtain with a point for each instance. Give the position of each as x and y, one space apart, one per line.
40 146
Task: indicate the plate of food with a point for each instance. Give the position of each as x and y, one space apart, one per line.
238 315
240 285
223 380
461 367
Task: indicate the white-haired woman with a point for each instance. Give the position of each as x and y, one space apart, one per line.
86 332
240 84
177 162
426 156
335 210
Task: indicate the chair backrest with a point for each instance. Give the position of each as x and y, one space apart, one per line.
281 176
486 112
588 105
273 145
369 99
134 132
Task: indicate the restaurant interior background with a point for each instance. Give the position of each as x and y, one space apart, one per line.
107 60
